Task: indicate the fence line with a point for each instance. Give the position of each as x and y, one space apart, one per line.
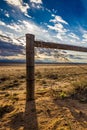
30 44
58 46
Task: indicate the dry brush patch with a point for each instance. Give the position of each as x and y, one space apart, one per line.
57 94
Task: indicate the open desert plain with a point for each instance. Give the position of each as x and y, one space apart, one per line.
60 98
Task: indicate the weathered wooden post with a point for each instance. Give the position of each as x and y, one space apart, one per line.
30 67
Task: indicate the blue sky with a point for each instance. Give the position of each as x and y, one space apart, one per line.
62 21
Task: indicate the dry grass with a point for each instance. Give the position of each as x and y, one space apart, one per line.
60 98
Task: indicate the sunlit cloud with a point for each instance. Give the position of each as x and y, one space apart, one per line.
19 4
2 23
24 19
36 1
58 28
57 19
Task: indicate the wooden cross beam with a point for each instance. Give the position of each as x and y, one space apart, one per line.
30 44
59 46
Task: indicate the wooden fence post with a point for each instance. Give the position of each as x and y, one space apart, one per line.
29 67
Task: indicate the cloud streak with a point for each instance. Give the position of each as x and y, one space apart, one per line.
58 19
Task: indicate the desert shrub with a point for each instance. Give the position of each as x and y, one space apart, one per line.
80 90
10 84
3 78
5 109
58 94
7 95
51 76
22 77
63 95
15 94
38 74
43 82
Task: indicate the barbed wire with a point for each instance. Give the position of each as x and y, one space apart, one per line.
79 65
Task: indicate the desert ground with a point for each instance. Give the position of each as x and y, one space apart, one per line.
60 98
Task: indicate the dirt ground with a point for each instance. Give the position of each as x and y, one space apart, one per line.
59 104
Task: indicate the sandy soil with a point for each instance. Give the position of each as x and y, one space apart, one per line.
52 109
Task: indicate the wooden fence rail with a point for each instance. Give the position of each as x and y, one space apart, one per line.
30 44
59 46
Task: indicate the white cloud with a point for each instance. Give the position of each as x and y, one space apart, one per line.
15 27
30 27
74 36
56 26
84 40
36 1
59 28
85 36
19 4
64 34
37 6
27 15
5 12
7 15
61 35
33 28
15 3
23 27
1 33
2 23
58 19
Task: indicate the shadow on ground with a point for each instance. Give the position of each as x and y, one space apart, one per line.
30 119
27 120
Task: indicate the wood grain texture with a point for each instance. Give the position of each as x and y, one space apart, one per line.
30 66
59 46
